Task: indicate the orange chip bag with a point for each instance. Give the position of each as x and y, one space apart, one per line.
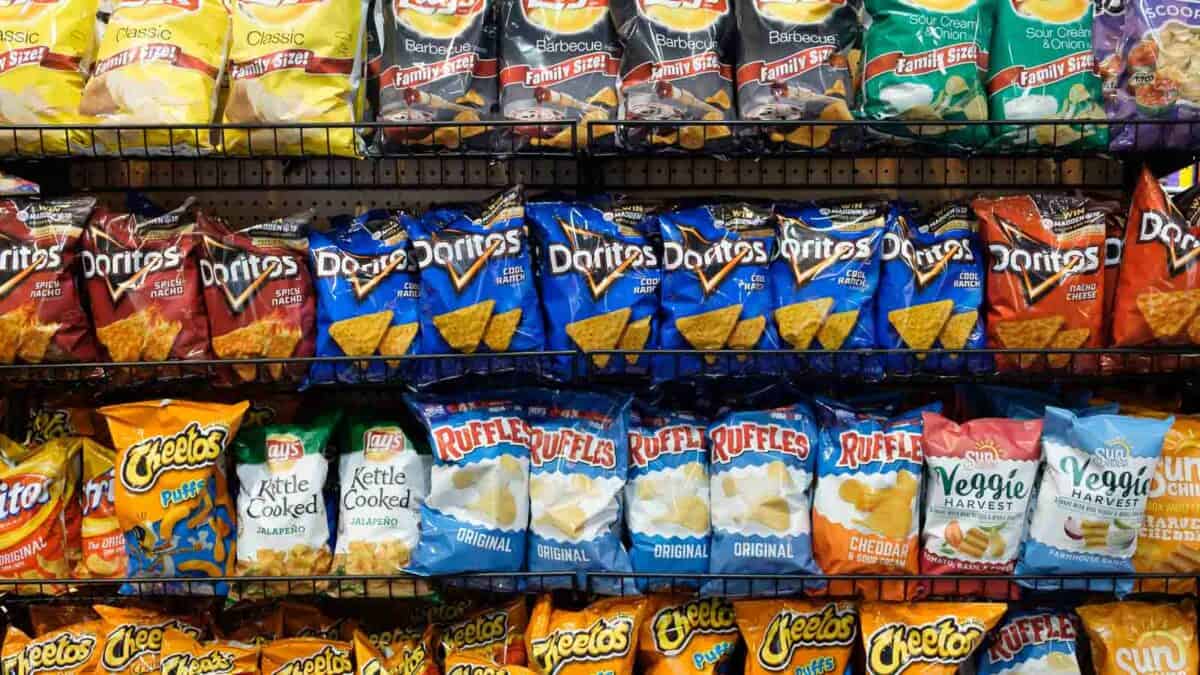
465 665
66 651
304 621
307 656
183 654
1169 541
598 638
45 618
132 639
494 634
925 638
797 636
416 658
33 531
1142 637
255 623
103 540
682 634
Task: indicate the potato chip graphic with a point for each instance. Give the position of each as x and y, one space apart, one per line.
685 19
1053 11
796 11
564 17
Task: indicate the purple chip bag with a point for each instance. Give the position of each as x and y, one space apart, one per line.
1156 81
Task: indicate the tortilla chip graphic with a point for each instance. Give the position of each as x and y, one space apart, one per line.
919 325
1168 313
958 330
800 321
463 328
397 340
500 330
124 338
1067 339
599 333
634 339
360 335
836 329
709 330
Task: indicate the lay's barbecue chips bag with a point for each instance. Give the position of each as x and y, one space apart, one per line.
925 638
683 634
598 638
1032 642
798 636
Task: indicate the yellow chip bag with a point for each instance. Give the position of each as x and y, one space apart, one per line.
44 52
1142 637
103 540
493 634
307 656
183 654
925 638
598 638
33 533
172 500
67 651
682 634
1169 541
797 636
292 62
132 639
159 63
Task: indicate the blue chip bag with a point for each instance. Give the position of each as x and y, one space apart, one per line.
1030 404
599 277
477 512
477 288
666 498
931 290
761 489
824 281
1032 642
1092 498
367 294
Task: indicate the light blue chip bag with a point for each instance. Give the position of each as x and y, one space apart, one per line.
1032 642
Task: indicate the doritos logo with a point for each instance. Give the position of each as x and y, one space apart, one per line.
731 440
1182 247
192 448
571 445
601 260
673 627
879 446
464 254
21 497
214 662
241 274
127 642
98 493
19 260
486 629
440 7
928 262
328 661
602 641
896 646
284 448
809 253
788 630
64 652
712 261
1039 266
364 273
1012 637
675 439
454 443
124 269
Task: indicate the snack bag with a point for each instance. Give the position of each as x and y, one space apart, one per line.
254 622
1142 637
282 526
318 55
33 532
866 508
931 290
306 621
170 490
104 553
307 655
1169 541
925 61
599 279
41 315
1045 277
259 293
714 288
676 65
1108 51
1114 249
667 496
559 62
158 63
825 277
1031 642
46 618
599 638
47 50
183 654
798 636
761 485
131 639
143 283
73 650
578 461
925 638
477 288
684 634
367 288
477 512
495 635
56 418
384 481
979 479
458 665
1092 498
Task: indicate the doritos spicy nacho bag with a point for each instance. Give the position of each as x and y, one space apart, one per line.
159 62
601 637
1142 637
925 638
131 639
41 315
798 636
714 288
143 283
183 654
477 512
259 293
1045 277
677 66
294 62
979 480
761 485
599 281
1031 642
367 287
73 650
33 531
683 634
495 635
294 656
1092 498
170 488
103 539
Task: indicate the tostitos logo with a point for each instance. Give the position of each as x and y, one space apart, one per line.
1052 11
684 16
797 11
438 19
564 16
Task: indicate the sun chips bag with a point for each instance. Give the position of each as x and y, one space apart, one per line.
170 489
1031 642
798 636
33 530
46 50
1092 498
1169 541
183 654
159 62
599 638
926 638
308 655
1142 637
294 62
131 639
103 539
72 650
681 634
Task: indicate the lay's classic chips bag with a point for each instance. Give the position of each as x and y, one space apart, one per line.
131 639
170 489
72 650
1032 642
1142 637
683 634
798 636
1169 541
598 638
104 552
925 638
33 529
599 278
293 656
183 654
493 635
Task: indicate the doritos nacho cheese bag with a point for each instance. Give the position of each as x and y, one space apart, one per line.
33 530
1045 277
294 62
494 635
103 539
925 638
41 313
170 488
601 637
1032 642
143 283
295 656
477 512
683 634
1169 541
183 654
761 485
73 650
798 636
1092 498
46 50
677 65
159 63
1142 637
131 639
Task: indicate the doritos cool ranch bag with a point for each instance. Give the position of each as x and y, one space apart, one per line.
72 650
103 539
798 636
597 638
1032 641
925 638
183 654
170 487
131 638
686 634
1142 637
294 62
159 63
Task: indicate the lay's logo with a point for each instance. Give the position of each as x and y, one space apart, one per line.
604 640
127 642
381 443
896 646
685 16
486 629
194 447
673 627
789 630
64 652
284 448
212 663
329 661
